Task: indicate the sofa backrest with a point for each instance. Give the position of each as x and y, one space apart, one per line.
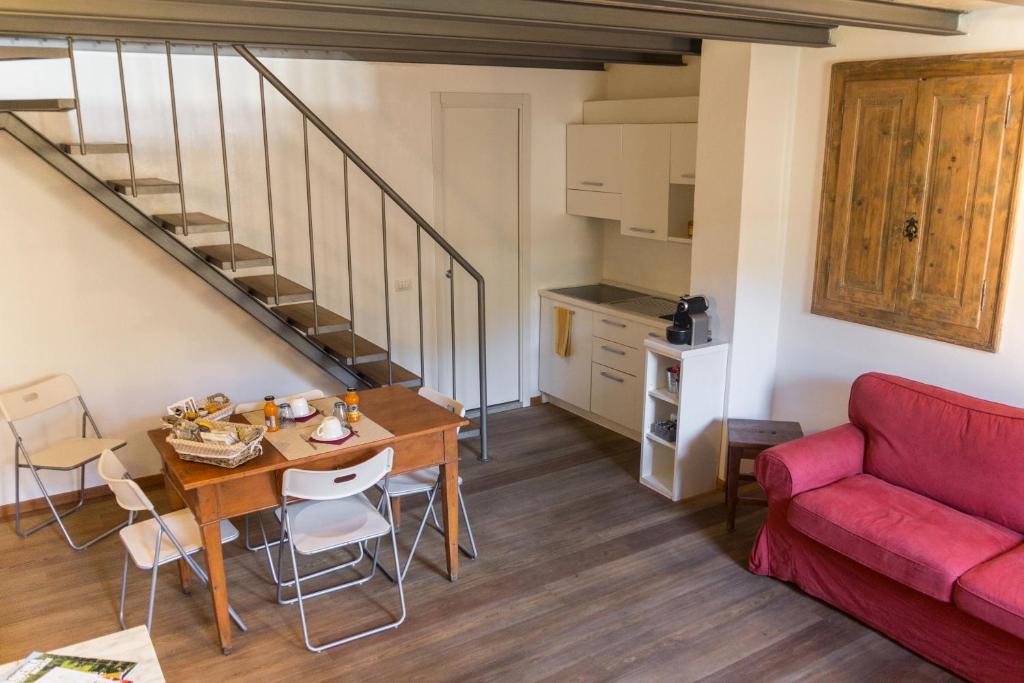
961 451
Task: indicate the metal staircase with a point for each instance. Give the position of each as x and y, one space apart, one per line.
290 309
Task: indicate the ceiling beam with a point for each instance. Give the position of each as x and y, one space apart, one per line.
532 21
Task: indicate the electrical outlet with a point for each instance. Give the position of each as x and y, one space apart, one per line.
403 285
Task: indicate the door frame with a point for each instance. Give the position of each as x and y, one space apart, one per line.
521 103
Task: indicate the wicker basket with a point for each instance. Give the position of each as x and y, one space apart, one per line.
222 456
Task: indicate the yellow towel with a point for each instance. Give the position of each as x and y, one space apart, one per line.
563 329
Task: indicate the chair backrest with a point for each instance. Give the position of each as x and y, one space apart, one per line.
128 493
310 395
339 483
37 398
444 401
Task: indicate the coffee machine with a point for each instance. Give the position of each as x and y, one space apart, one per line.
690 323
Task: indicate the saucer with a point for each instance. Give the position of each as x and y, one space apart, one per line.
313 412
334 442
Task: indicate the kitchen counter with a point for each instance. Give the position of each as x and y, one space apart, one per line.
616 309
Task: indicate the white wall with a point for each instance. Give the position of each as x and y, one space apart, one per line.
819 357
382 110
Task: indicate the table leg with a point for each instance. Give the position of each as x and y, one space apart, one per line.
732 486
396 511
218 582
450 502
175 502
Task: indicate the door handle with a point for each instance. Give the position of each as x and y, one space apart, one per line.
910 229
646 231
612 377
606 321
610 349
592 183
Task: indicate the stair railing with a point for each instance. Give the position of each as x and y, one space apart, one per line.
422 226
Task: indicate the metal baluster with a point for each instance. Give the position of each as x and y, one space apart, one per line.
270 194
78 102
387 297
451 297
309 214
482 340
419 294
224 156
177 139
348 255
127 125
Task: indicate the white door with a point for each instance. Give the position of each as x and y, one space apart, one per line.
478 195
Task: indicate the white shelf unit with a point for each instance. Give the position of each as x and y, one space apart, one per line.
688 467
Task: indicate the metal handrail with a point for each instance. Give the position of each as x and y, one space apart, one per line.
387 191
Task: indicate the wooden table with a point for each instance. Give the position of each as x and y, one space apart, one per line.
747 438
424 435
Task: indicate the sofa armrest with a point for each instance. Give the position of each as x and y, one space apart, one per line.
814 461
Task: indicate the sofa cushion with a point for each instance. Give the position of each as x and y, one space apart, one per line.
911 539
959 450
994 591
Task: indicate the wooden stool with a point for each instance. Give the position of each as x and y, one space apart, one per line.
747 438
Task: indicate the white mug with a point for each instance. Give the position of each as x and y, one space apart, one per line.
300 407
330 429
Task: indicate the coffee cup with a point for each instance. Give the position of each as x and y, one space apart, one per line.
300 407
329 430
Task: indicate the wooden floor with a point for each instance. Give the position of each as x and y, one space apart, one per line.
584 576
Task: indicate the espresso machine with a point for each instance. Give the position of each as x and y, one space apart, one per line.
690 324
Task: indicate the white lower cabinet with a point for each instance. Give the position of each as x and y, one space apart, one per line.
566 378
616 396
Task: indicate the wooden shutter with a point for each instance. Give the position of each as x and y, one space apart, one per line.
920 181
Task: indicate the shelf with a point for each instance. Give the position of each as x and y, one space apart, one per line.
660 441
665 395
652 482
680 240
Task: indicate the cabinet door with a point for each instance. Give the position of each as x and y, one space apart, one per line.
959 174
683 164
594 157
864 211
617 396
566 378
645 181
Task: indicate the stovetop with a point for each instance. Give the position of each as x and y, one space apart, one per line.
600 293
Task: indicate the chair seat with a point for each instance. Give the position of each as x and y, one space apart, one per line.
994 592
71 453
321 525
900 534
140 538
418 481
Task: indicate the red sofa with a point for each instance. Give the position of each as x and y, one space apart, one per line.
910 518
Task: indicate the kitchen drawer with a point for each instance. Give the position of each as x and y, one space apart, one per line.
616 396
616 356
625 332
593 204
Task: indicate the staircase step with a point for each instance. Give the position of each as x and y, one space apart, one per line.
262 287
94 148
245 257
377 372
144 186
45 104
14 52
197 222
340 344
301 316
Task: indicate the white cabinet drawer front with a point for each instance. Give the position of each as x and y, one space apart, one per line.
625 332
593 204
594 157
615 396
617 356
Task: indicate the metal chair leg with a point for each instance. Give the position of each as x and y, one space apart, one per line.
152 596
439 528
419 532
124 589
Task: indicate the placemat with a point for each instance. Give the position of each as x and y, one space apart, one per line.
292 444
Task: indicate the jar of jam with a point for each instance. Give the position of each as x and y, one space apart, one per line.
270 414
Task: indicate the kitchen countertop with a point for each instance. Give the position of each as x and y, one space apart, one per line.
611 309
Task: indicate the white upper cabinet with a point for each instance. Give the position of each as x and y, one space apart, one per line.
645 180
683 166
594 158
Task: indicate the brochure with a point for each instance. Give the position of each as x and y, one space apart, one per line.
52 668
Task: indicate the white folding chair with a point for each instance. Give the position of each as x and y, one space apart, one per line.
428 481
326 510
155 541
68 454
309 395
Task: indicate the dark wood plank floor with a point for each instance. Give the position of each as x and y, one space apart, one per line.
584 575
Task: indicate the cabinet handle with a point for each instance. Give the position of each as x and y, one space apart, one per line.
646 231
612 377
609 349
606 321
592 183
